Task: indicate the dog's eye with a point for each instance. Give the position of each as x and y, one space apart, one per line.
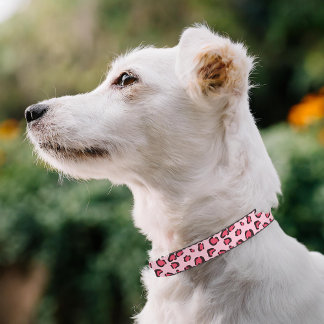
125 79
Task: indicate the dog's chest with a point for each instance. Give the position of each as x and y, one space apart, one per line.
176 301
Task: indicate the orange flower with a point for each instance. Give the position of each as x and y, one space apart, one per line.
9 129
309 110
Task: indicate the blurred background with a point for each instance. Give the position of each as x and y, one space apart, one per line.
63 253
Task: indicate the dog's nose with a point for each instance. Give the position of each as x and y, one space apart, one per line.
35 111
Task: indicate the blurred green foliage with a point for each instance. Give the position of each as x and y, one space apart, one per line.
83 231
298 158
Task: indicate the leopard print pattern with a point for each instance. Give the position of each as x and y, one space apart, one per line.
213 246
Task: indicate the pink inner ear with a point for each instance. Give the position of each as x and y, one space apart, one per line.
212 72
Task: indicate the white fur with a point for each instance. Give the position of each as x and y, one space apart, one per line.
195 163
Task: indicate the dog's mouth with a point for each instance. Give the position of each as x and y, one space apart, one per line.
59 151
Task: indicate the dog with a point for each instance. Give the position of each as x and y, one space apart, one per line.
174 125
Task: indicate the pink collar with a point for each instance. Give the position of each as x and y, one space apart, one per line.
213 246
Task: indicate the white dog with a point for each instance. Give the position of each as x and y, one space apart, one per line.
174 125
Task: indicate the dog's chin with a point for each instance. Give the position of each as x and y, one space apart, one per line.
85 163
74 154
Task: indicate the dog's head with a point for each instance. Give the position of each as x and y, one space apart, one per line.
161 113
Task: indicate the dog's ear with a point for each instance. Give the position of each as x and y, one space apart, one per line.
210 66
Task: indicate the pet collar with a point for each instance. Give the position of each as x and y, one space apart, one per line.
213 246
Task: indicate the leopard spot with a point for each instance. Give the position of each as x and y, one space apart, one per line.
160 263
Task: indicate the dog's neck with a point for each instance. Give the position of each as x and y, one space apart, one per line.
172 223
174 220
173 214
